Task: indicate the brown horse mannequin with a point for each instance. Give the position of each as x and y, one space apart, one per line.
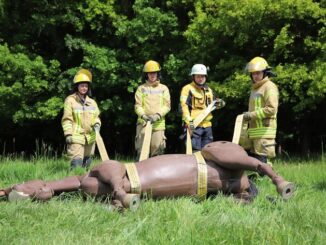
163 176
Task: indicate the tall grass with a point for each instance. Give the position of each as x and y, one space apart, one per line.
69 219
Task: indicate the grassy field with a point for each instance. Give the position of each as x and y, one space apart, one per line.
68 219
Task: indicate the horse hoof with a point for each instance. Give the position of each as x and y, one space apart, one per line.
17 196
2 193
286 190
131 201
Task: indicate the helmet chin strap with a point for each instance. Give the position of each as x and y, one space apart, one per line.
199 85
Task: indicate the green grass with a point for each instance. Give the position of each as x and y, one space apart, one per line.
68 219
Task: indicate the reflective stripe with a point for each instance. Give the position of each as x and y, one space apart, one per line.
78 121
261 116
92 137
133 178
264 132
159 125
202 175
78 139
257 109
66 125
148 91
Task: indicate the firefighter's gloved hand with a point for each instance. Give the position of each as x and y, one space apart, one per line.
246 116
220 103
145 117
69 139
155 117
97 127
191 125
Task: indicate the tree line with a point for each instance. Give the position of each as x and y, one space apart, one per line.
43 43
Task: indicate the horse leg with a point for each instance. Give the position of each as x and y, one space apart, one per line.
93 187
5 192
234 157
112 173
284 188
67 184
41 190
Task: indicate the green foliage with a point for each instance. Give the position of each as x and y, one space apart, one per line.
43 44
302 88
26 87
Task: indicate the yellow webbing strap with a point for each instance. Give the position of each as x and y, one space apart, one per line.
188 143
202 175
133 178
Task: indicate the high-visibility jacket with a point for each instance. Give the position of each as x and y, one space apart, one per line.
263 105
151 99
193 100
79 117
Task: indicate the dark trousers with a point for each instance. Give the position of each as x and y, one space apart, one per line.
263 159
201 137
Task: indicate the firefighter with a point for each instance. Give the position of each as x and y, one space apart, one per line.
80 121
195 97
263 105
152 103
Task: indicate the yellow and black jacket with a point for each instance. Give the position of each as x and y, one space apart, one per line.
193 100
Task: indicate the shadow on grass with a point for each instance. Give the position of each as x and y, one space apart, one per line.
320 186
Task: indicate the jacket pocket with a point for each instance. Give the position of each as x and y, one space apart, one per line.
198 101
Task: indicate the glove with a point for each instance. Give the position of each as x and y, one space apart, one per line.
97 127
191 125
69 139
155 117
145 118
220 103
246 116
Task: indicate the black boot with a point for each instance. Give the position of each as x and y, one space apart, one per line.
87 162
76 163
263 159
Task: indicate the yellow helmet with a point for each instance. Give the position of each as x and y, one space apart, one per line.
257 64
83 75
151 66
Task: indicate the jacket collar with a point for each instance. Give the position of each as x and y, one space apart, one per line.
260 83
199 87
85 101
154 84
